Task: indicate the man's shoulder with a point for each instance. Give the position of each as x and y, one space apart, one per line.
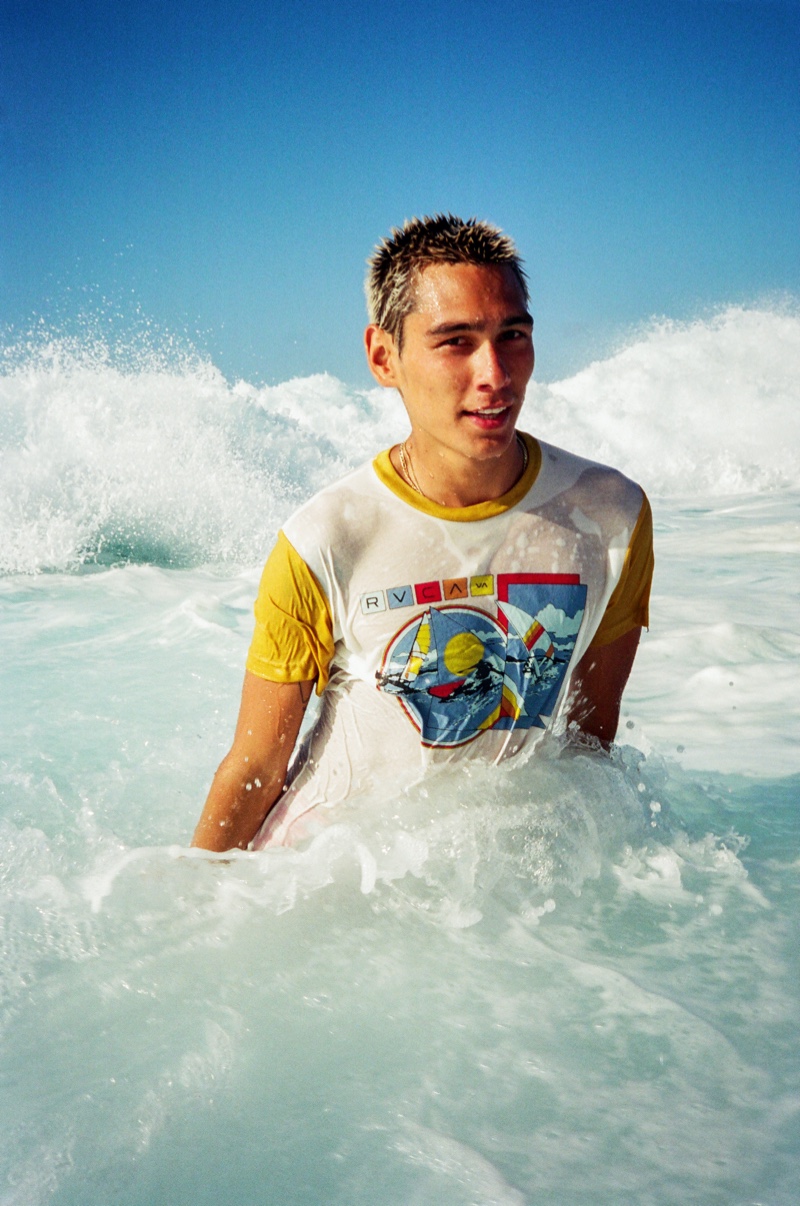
588 481
321 517
355 481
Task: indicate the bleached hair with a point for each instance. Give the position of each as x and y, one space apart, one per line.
397 261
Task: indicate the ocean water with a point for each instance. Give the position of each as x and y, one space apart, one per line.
573 981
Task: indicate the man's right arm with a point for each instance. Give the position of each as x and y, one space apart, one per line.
252 775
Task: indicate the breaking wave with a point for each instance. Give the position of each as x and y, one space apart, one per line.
119 454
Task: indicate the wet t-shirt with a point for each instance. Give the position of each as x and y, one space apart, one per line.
439 634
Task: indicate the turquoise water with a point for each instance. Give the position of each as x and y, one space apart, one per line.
572 981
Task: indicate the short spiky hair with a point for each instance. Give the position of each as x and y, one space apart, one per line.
397 261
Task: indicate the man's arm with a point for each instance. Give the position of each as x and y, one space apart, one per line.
597 686
251 777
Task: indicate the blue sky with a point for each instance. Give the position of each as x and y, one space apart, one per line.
223 168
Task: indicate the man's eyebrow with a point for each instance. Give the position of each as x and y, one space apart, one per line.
454 328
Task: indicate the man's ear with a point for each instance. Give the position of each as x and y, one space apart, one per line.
381 355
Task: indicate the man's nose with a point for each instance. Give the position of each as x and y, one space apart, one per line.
492 372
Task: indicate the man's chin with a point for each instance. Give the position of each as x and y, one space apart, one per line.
491 444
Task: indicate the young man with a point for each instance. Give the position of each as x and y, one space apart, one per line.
453 597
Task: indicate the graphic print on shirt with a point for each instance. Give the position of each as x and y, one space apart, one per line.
459 671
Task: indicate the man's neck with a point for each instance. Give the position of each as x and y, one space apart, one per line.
450 479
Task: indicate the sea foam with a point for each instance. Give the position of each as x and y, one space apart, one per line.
504 985
112 457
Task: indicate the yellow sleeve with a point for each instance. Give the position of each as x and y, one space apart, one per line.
293 638
629 605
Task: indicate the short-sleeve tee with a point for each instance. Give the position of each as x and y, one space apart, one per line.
436 634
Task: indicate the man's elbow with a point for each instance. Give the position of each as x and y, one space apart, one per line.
242 778
600 728
597 687
597 719
242 794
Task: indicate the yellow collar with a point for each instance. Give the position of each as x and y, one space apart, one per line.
483 510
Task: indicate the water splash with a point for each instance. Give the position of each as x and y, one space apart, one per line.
699 408
113 457
143 452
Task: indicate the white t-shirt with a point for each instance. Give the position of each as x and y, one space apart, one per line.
439 634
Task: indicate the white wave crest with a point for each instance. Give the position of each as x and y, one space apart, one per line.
114 455
706 407
175 466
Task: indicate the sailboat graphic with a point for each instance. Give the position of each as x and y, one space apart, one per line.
447 669
527 628
459 671
422 651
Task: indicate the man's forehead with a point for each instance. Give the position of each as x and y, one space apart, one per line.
468 290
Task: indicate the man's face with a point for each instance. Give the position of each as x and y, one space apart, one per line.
466 359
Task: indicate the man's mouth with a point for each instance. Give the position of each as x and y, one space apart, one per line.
489 416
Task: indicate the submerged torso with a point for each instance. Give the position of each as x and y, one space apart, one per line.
453 639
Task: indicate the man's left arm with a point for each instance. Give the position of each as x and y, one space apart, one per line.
600 677
597 686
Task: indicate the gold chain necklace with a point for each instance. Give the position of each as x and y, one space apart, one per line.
405 465
408 473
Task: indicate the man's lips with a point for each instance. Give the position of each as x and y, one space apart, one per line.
489 416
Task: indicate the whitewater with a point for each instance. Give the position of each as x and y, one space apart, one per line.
571 981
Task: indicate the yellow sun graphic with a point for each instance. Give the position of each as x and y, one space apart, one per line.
462 653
